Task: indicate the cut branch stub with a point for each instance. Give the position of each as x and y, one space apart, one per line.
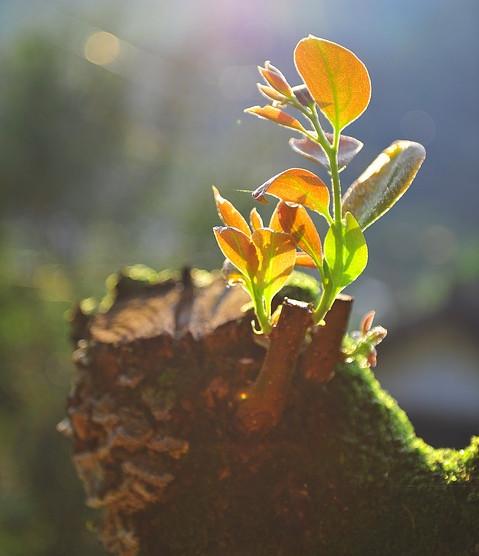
262 405
321 356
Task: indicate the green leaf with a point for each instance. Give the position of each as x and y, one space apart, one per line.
384 182
344 268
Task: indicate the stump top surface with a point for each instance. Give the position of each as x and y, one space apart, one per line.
173 308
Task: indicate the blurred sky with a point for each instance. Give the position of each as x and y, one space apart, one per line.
189 69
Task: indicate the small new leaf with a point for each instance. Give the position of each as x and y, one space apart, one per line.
303 259
336 78
297 185
238 249
350 242
229 215
348 149
277 256
275 78
295 220
255 219
270 93
275 115
384 182
303 96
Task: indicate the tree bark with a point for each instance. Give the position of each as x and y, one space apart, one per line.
192 439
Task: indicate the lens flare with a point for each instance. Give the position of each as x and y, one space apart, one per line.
102 48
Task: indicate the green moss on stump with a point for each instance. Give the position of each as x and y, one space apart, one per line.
344 475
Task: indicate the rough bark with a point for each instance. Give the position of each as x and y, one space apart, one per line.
159 441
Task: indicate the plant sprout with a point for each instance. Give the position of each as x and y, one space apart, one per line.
336 84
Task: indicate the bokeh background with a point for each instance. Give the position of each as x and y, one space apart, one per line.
115 119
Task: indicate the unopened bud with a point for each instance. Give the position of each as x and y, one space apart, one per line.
270 93
376 335
373 357
303 95
276 79
367 322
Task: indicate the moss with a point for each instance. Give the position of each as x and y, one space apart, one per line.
372 486
416 499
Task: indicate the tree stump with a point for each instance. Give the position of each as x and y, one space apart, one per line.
193 439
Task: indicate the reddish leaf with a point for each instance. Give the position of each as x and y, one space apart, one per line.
274 223
275 78
367 322
275 115
303 259
270 93
297 185
303 96
295 220
229 214
348 149
238 249
336 78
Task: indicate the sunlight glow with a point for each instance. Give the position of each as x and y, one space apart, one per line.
102 48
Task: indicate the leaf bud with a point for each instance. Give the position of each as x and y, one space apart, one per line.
303 95
275 78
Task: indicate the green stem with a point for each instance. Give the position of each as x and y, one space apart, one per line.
326 300
329 292
335 181
264 321
321 138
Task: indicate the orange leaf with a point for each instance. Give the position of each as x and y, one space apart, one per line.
270 93
275 115
297 185
229 214
336 78
277 255
274 223
303 259
295 220
238 249
275 78
255 219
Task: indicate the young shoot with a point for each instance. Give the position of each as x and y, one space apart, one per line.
336 83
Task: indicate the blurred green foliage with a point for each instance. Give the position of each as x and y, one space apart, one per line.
40 508
56 136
